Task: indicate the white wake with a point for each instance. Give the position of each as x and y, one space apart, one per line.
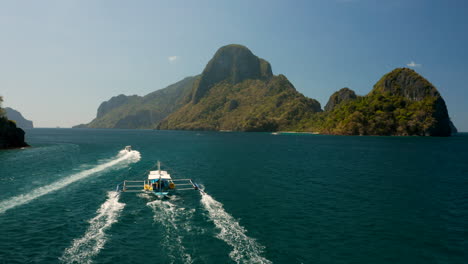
124 157
245 249
172 219
85 248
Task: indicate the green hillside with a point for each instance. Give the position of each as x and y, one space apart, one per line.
401 103
237 91
252 105
141 112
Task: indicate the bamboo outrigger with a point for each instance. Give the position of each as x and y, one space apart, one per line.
159 183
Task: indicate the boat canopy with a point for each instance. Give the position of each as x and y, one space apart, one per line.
154 175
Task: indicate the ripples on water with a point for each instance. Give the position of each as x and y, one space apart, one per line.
121 160
245 249
280 199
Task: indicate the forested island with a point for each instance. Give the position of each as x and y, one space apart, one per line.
237 91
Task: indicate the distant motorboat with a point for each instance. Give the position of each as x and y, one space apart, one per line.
128 148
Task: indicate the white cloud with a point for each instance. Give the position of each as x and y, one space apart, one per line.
173 59
413 64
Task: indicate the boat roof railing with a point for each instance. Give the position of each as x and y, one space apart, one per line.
139 185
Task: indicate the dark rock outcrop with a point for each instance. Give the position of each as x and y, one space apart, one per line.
409 84
10 135
402 103
234 64
21 122
453 129
344 94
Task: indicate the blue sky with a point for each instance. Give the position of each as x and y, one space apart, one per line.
60 59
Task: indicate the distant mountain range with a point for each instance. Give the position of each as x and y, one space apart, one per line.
237 91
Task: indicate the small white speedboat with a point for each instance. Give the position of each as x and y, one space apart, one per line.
128 148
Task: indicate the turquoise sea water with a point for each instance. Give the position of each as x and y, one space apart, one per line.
270 199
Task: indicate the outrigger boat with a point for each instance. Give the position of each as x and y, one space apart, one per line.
159 183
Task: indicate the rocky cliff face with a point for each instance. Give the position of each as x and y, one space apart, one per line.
233 64
21 122
409 84
406 83
113 103
453 129
401 103
237 91
344 94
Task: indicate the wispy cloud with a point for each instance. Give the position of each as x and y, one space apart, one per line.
413 64
173 59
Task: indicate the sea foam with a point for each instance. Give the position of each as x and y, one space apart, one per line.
124 157
175 221
245 249
85 248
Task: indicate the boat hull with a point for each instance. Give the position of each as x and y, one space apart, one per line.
160 194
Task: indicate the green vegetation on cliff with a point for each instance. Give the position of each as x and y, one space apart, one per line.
401 103
381 114
252 105
141 112
231 64
344 94
237 91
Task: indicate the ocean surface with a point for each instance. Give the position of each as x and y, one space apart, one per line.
269 198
